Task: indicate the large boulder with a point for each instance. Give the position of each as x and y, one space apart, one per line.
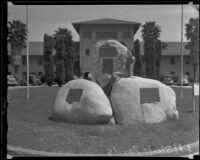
107 57
138 100
81 101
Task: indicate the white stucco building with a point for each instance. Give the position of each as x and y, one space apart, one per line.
102 29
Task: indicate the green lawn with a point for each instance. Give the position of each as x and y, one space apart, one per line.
29 127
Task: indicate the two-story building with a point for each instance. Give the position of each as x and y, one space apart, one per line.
171 59
102 29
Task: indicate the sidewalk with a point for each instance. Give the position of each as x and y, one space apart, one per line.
18 87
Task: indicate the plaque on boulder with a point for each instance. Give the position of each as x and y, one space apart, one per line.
107 66
149 95
74 95
107 52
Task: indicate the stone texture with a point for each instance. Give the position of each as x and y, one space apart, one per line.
118 61
127 109
93 108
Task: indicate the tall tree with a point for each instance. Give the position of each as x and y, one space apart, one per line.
59 61
158 51
64 54
138 68
48 59
17 34
151 34
192 34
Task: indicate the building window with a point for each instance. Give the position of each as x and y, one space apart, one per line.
172 60
126 35
107 66
164 46
87 52
187 60
106 35
40 73
40 60
172 73
143 59
9 59
187 73
23 60
24 75
87 35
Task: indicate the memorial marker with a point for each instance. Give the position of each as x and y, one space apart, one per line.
107 52
74 95
107 66
149 95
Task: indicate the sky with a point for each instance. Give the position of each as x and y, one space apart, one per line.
45 19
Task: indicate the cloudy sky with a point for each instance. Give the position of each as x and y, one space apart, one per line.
47 18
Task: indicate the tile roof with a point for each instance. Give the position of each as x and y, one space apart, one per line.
106 21
172 48
136 25
36 48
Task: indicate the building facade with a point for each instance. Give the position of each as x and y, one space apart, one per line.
103 29
171 59
36 52
35 59
93 31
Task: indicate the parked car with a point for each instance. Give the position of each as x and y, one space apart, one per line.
34 80
23 82
11 80
168 80
185 82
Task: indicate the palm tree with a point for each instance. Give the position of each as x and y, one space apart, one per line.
151 34
138 68
158 50
192 34
48 59
17 34
63 45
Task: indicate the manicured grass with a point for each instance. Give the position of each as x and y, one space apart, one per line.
185 104
29 127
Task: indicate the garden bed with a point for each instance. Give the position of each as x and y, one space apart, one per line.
29 127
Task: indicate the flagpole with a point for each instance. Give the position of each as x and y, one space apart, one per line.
182 51
27 56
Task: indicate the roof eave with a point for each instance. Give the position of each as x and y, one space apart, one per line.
77 26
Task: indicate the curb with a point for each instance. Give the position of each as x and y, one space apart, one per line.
19 87
188 150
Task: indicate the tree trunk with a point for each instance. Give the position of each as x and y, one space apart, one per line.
16 70
48 59
195 73
60 72
16 59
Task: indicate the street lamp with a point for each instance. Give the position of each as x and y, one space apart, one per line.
27 56
182 51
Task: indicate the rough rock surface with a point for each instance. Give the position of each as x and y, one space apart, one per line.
93 108
127 108
118 61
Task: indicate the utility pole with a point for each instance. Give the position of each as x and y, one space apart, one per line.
27 56
182 51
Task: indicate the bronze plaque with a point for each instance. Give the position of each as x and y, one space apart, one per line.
107 52
107 66
74 95
149 95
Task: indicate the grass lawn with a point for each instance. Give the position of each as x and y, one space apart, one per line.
29 127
